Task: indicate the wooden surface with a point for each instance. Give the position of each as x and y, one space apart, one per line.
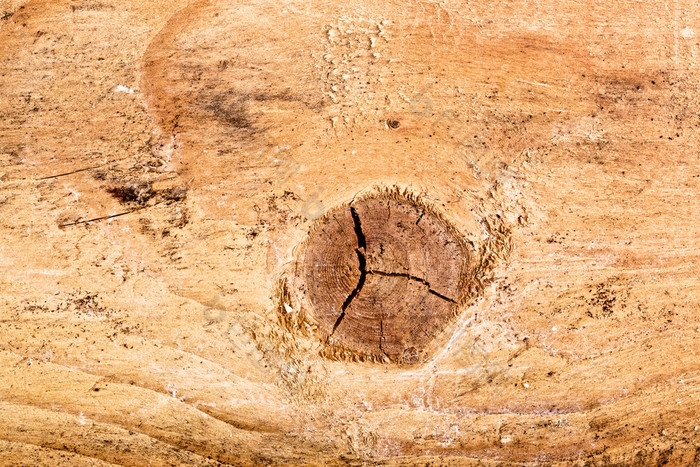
163 164
379 284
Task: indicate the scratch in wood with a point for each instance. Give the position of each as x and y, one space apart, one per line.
98 218
69 173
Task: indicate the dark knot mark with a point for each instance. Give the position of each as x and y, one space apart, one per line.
360 250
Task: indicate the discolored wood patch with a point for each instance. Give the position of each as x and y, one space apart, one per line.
383 276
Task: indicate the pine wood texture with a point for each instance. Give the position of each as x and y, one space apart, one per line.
168 172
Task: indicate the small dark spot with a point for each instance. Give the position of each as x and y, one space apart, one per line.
100 175
393 124
289 195
175 194
138 192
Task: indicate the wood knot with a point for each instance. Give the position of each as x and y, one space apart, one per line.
383 276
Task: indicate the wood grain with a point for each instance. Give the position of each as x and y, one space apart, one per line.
163 166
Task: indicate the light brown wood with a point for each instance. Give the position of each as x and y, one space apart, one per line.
164 167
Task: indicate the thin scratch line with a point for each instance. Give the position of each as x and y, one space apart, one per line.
69 173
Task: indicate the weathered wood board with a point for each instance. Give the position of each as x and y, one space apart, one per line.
308 233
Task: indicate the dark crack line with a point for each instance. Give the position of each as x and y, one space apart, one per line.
69 173
420 217
413 278
361 240
361 247
99 218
